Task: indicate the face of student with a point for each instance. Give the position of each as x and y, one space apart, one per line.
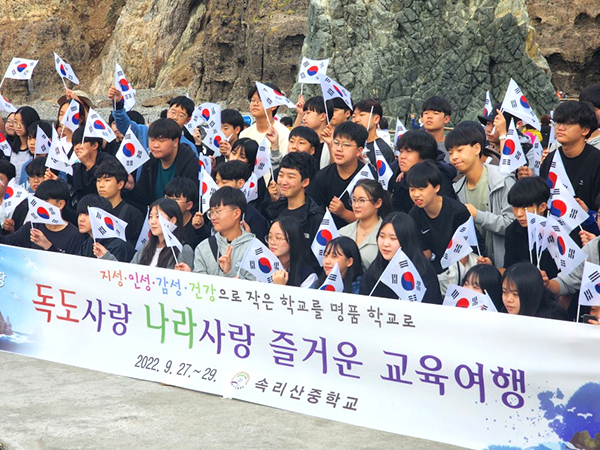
108 187
299 144
387 242
35 181
472 283
183 203
408 158
238 153
163 148
256 106
290 182
20 129
434 120
345 151
154 221
225 218
83 223
569 134
338 116
492 137
277 241
60 128
236 184
31 144
178 114
333 256
464 157
9 125
510 297
520 212
363 205
423 196
362 118
86 151
595 311
313 119
230 132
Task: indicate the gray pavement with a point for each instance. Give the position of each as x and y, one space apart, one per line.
47 406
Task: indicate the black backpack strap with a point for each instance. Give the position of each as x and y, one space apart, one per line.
214 248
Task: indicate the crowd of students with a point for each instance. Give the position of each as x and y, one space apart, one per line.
440 180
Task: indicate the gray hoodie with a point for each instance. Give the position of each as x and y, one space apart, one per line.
205 262
500 214
570 282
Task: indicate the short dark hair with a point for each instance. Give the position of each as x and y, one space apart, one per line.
383 123
591 94
8 169
337 103
437 103
529 191
300 161
575 112
78 138
466 133
183 102
164 128
133 115
254 90
419 141
423 174
351 131
182 187
36 167
306 133
232 170
250 149
232 117
287 121
316 104
228 196
93 201
45 126
366 105
111 168
53 190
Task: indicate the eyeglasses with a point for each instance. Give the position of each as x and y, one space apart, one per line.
18 124
216 213
255 101
564 126
183 202
178 115
275 239
344 145
360 202
10 122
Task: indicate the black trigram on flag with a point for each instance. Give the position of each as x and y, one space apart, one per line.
252 265
412 298
330 91
258 251
588 295
458 248
33 202
573 214
506 161
517 90
403 264
306 64
119 73
325 222
594 276
454 295
571 254
394 278
513 103
102 231
98 215
332 276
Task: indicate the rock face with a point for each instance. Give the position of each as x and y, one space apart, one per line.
569 39
404 51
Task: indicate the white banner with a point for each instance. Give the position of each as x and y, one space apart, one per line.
446 374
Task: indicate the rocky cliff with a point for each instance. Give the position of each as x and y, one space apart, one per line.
398 50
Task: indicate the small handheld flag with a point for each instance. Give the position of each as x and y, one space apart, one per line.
20 69
57 156
42 142
105 225
487 107
271 98
71 118
95 126
402 277
589 292
310 69
566 253
326 232
207 188
365 172
534 157
250 188
43 212
262 163
512 156
516 104
557 175
461 297
13 196
384 172
260 262
400 130
125 88
65 70
167 230
334 281
565 209
332 89
5 146
131 153
5 105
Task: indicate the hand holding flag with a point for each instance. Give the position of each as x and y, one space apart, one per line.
260 262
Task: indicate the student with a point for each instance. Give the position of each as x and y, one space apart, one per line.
331 182
315 118
339 112
265 125
343 252
437 217
523 293
168 159
485 279
399 231
155 253
528 195
235 174
55 238
483 189
574 123
222 253
416 146
232 124
285 240
295 174
31 142
435 115
591 94
245 150
304 139
185 193
370 204
7 173
111 177
63 102
92 247
24 117
362 115
113 147
180 110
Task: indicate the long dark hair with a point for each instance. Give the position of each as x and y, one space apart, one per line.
488 278
375 192
165 258
28 116
347 247
408 234
295 238
535 300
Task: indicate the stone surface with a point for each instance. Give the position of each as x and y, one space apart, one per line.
403 52
48 406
